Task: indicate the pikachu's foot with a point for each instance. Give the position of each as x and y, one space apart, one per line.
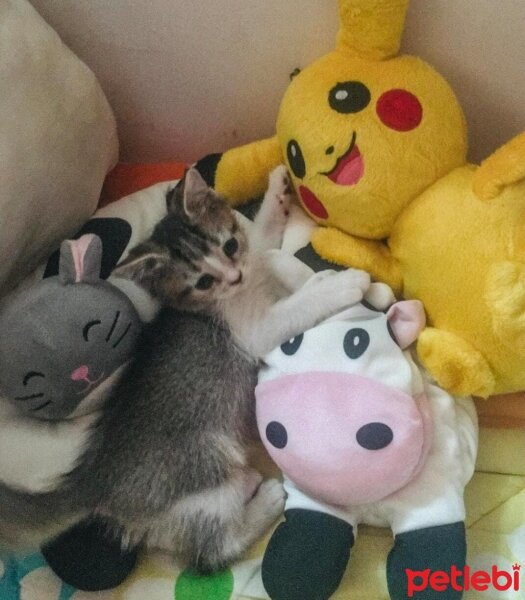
455 364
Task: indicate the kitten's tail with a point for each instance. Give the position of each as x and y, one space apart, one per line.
28 520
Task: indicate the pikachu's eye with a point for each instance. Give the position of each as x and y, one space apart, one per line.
296 159
349 97
205 282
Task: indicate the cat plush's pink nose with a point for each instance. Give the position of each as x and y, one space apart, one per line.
80 373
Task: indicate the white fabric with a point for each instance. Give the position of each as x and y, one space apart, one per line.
58 139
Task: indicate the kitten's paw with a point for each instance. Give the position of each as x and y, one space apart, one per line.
279 194
345 287
320 276
268 502
252 480
356 278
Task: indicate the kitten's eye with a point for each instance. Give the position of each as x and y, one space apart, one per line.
205 282
230 247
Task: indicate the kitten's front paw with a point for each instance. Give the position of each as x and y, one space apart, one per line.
252 481
320 276
269 499
357 279
279 193
345 287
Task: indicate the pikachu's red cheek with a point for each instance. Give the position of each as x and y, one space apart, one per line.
399 110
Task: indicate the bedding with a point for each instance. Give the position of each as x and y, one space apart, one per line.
495 534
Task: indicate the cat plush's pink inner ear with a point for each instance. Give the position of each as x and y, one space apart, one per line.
407 321
78 251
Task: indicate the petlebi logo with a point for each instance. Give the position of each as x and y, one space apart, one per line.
462 580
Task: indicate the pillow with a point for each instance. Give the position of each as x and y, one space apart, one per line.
58 140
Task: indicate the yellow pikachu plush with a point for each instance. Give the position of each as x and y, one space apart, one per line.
363 132
460 247
376 145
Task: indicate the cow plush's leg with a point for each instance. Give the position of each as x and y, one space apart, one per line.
307 556
86 558
436 548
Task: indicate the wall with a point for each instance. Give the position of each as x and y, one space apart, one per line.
188 77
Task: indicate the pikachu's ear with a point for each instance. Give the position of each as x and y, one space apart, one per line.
503 168
371 29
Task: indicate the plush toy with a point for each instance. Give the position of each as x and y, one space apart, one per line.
65 342
363 132
78 332
362 436
460 248
66 335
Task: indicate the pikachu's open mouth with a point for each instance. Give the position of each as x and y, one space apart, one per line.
348 170
349 167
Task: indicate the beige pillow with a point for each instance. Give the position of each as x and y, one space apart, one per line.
57 141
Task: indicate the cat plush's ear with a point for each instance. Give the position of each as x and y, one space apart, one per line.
145 264
80 260
192 196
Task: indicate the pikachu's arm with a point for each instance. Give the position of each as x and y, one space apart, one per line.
369 255
241 173
503 168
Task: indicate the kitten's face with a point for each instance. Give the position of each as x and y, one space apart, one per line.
196 255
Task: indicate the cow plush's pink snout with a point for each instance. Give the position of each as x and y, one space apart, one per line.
343 438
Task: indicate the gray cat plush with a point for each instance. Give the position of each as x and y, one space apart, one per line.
66 339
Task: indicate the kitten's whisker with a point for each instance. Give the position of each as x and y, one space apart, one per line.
113 326
126 331
32 397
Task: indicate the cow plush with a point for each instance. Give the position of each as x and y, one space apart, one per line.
363 436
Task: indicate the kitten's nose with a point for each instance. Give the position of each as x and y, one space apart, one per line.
234 277
80 373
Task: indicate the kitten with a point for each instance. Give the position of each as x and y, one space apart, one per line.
198 260
167 461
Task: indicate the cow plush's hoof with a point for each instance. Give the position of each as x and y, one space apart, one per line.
85 557
436 548
307 556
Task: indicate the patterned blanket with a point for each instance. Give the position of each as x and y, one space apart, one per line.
496 535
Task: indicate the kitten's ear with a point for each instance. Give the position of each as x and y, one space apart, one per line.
196 196
146 264
190 196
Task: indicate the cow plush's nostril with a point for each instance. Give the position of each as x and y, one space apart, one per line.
374 436
277 435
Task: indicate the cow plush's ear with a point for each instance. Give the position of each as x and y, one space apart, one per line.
407 321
